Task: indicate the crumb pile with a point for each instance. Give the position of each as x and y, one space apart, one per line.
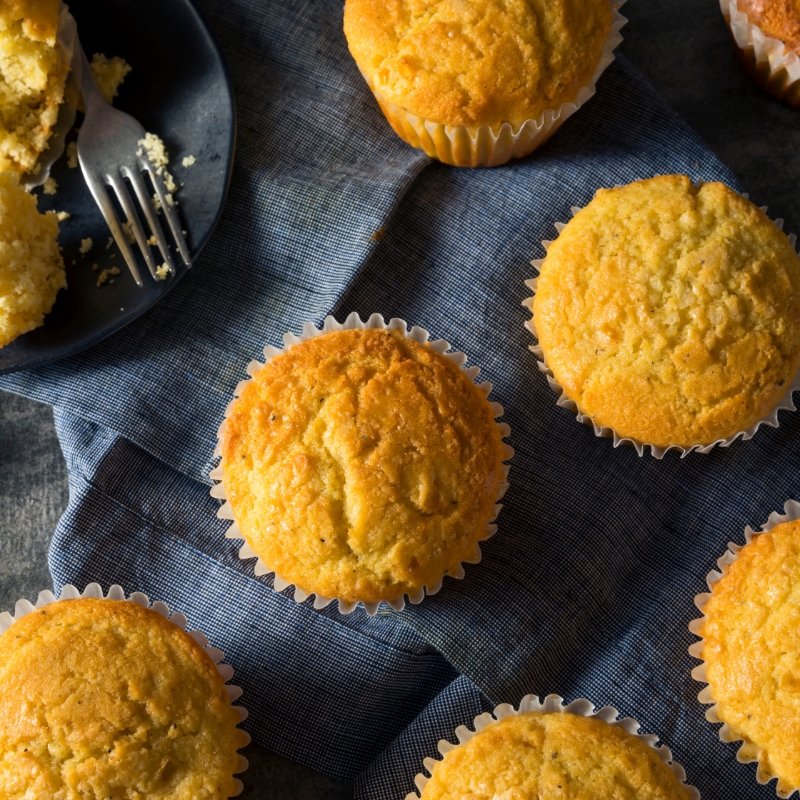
153 147
33 72
109 74
550 757
105 698
361 465
31 267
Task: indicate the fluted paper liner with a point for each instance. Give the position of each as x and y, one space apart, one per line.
770 62
67 40
744 755
354 322
552 704
463 146
115 592
786 403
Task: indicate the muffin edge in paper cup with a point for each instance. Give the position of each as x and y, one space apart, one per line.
767 59
464 146
763 776
551 704
67 39
354 322
786 402
116 592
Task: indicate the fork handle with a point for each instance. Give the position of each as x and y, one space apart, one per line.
89 88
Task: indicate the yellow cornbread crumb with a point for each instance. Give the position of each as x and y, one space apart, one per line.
72 155
361 465
152 241
86 246
109 74
189 161
31 266
33 71
105 698
157 154
94 266
480 62
50 186
127 229
671 313
552 756
104 275
162 272
752 651
62 215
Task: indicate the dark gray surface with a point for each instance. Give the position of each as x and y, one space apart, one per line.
682 47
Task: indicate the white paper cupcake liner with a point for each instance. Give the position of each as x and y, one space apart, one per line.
115 592
552 704
462 146
791 512
773 65
786 402
354 322
67 39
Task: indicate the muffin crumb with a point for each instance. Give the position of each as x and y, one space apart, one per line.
162 272
104 275
63 215
109 74
50 186
86 246
72 155
189 161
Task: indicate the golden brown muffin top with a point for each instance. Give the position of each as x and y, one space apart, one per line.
39 17
752 650
671 313
779 19
361 465
553 756
477 62
104 698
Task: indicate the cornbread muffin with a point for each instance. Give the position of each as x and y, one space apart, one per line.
475 63
552 756
31 266
33 72
779 19
671 313
766 37
751 647
105 698
361 465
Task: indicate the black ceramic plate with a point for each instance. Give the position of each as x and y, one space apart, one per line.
180 90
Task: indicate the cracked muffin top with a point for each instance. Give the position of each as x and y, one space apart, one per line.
670 312
105 698
361 465
477 62
752 651
552 756
779 19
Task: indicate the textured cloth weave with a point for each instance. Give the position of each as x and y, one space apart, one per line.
587 588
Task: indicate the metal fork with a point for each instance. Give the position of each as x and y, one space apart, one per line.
107 150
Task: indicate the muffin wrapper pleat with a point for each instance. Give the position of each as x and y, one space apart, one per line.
552 704
747 753
484 146
67 40
115 592
786 403
767 59
353 322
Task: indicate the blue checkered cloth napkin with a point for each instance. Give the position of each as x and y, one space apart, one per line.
588 587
